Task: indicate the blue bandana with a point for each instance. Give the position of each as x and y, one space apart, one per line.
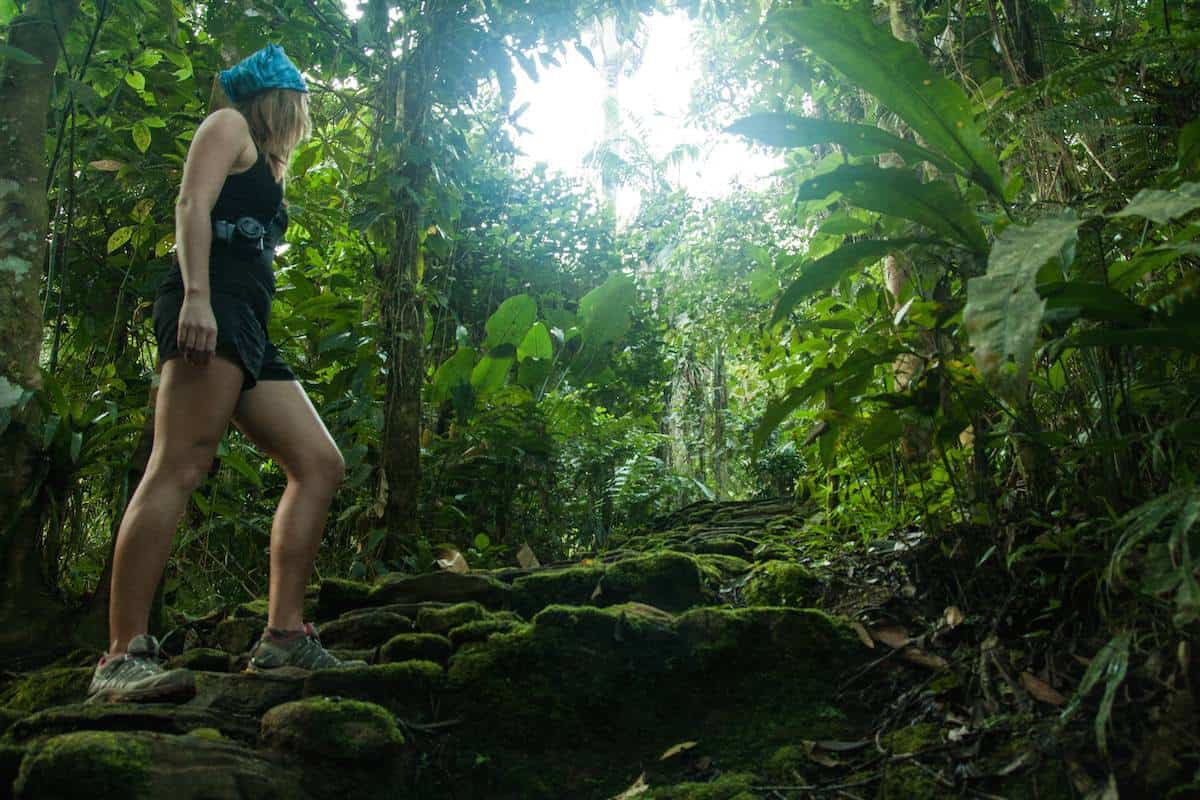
269 68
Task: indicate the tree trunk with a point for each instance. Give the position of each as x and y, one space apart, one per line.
27 604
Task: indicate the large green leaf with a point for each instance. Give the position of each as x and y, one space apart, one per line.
897 74
825 272
788 130
452 372
1004 310
536 344
491 373
1162 206
604 311
900 193
511 321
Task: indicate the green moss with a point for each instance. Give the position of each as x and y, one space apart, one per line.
203 658
443 620
732 786
571 585
724 567
332 729
8 716
48 688
732 545
906 781
912 739
773 551
782 583
212 734
85 764
405 687
668 580
479 630
237 635
419 646
787 765
253 609
337 596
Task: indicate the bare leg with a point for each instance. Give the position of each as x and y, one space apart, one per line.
279 419
192 412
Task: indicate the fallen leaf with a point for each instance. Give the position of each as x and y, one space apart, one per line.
677 749
843 747
639 787
863 636
451 560
952 617
916 655
1041 690
526 558
894 636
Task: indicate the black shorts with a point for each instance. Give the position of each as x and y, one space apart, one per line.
242 312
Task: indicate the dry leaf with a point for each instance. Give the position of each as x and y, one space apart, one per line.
526 558
843 747
1041 690
863 636
916 655
451 560
106 165
677 749
639 787
894 636
952 617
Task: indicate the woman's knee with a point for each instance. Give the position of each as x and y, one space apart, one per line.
324 466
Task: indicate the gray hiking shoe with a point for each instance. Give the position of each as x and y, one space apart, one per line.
138 677
299 651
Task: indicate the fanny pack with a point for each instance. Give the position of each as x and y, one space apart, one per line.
245 234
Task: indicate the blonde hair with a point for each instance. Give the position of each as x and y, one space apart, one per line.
278 120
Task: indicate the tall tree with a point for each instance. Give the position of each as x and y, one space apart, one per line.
26 77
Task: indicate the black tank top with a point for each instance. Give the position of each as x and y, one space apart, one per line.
234 270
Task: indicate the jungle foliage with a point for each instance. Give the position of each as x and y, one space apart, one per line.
966 302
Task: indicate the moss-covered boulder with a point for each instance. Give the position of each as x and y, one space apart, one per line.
406 687
149 717
90 764
237 635
782 583
364 630
416 646
480 630
442 587
244 694
330 729
51 687
208 659
668 580
733 786
442 620
336 596
569 586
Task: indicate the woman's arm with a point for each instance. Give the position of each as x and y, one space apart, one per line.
220 142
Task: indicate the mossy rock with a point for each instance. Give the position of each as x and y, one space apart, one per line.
208 659
244 694
442 620
88 764
787 764
569 585
733 545
237 635
905 781
149 717
441 587
405 687
479 631
732 786
252 609
47 688
773 551
668 580
724 567
338 595
8 716
912 739
364 630
329 729
416 646
782 583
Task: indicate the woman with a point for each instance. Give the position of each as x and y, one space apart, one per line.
218 366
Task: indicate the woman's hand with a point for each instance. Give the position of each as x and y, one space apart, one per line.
197 330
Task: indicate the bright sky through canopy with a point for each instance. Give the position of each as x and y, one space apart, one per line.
565 118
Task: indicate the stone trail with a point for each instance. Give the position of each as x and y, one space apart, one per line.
565 681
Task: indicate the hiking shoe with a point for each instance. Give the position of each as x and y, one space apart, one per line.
136 676
298 650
